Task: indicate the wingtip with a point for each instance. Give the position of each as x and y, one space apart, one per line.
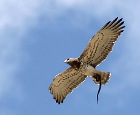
121 31
59 102
116 18
111 23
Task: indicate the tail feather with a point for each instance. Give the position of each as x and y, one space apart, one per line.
105 76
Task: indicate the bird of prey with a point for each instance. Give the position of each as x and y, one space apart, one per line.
99 46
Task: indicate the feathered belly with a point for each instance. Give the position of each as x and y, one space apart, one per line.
87 70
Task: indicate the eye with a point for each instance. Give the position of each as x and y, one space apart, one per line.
68 59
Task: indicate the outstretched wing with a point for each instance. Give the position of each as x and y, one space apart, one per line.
102 43
64 83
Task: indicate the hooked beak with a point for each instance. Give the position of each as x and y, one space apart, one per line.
65 61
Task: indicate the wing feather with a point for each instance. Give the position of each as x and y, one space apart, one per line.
64 83
102 43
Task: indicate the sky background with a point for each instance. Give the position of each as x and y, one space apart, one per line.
36 36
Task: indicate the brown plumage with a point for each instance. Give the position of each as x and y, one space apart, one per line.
96 51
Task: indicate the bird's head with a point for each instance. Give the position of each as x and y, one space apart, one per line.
69 60
72 62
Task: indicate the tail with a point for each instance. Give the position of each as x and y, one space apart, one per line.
103 77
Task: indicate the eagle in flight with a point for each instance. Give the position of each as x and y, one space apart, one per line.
99 46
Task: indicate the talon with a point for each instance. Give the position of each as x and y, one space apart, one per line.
97 77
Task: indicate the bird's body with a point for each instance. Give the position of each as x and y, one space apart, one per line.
96 51
84 68
88 70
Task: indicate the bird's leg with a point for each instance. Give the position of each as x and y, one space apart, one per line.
99 75
100 78
96 72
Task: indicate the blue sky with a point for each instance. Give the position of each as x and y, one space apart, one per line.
36 36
